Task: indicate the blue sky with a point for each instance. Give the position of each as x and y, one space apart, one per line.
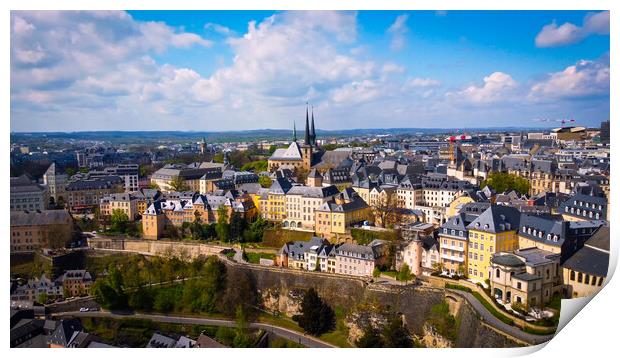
223 70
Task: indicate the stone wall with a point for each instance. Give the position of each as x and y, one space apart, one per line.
281 290
160 248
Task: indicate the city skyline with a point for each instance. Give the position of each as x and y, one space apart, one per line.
222 70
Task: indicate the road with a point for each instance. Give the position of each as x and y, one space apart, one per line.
291 335
488 318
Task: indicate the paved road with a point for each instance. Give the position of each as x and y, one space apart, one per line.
495 322
294 336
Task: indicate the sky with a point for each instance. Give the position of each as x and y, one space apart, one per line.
237 70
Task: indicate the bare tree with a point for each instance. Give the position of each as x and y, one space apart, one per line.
386 210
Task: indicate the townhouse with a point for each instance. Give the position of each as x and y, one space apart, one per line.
493 231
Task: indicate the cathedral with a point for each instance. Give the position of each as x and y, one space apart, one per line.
296 156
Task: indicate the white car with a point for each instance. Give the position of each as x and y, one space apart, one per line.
84 309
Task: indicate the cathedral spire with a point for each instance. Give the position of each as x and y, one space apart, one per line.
312 133
307 136
294 132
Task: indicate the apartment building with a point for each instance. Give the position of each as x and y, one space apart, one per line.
360 260
335 217
33 230
493 231
27 194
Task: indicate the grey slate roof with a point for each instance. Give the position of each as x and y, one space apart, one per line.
539 227
589 260
44 217
497 219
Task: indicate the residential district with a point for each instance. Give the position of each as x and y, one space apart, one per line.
515 220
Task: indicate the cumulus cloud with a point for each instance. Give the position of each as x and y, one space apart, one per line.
553 35
398 30
498 86
584 79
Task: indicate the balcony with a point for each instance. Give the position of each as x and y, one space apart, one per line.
453 258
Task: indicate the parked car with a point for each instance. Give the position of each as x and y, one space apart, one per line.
84 309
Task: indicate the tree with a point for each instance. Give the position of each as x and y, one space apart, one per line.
254 232
222 228
242 339
237 225
437 266
396 335
109 291
404 274
265 181
178 184
376 272
370 339
42 298
316 316
385 209
502 182
119 221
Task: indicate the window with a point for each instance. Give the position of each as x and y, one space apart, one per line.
518 287
497 273
579 277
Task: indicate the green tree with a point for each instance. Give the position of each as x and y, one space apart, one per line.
178 184
141 299
165 300
242 338
316 316
222 228
370 339
254 232
42 298
404 274
376 272
502 182
236 227
119 221
265 181
396 335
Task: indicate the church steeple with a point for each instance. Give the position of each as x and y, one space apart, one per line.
307 136
294 132
312 133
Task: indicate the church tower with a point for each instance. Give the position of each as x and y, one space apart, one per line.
312 133
203 146
306 148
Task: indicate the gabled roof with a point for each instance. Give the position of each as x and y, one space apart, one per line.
496 219
293 152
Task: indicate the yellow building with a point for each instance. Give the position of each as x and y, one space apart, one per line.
125 202
583 273
493 231
274 209
334 218
455 206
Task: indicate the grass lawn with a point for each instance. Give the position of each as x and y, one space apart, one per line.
339 336
254 257
392 274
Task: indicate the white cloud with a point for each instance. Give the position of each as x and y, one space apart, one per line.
421 82
497 86
398 31
220 29
553 35
584 79
356 92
